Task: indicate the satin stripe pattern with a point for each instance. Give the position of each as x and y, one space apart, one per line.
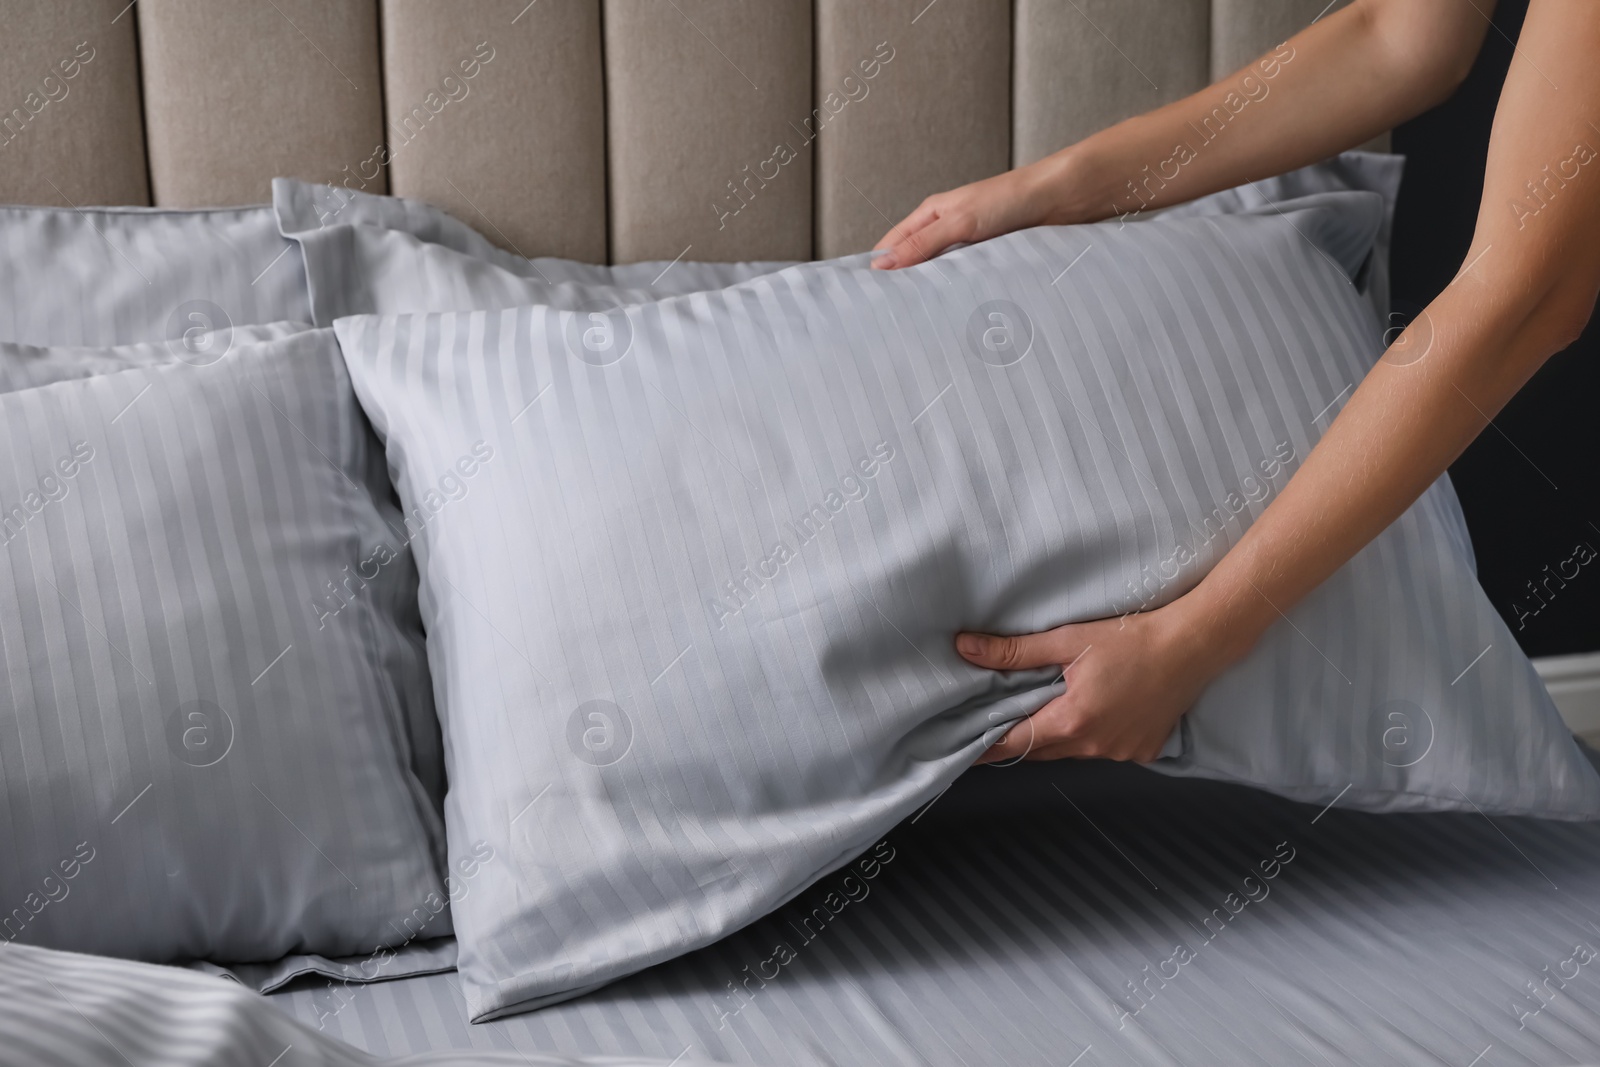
691 569
212 685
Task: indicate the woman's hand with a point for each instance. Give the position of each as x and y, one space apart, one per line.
988 208
1128 681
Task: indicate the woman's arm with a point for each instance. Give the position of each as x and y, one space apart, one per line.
1525 291
1343 80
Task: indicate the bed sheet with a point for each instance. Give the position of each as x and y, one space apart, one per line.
1083 914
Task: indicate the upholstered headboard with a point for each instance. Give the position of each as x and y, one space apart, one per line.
593 129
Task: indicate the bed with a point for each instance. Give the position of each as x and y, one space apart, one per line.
1033 915
1053 914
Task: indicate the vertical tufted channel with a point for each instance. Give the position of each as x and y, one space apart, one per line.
237 91
706 104
70 131
912 98
496 112
1082 65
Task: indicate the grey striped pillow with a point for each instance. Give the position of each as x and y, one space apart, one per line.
690 576
110 276
213 680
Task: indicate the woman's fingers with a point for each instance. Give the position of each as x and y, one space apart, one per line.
1053 648
972 212
913 222
1127 683
917 246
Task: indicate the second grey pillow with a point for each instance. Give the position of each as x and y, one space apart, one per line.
214 682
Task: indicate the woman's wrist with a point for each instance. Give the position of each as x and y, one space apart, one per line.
1068 187
1220 621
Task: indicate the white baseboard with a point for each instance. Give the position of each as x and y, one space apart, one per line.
1574 684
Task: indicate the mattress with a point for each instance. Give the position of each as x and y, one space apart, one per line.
1083 913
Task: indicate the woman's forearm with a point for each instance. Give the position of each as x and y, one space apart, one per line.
1527 286
1341 81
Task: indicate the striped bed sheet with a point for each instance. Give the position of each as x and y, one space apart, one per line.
1092 914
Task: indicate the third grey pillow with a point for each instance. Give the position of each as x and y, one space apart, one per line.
367 254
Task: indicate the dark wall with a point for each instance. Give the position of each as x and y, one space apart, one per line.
1530 484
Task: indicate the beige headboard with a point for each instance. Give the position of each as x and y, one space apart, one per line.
593 129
